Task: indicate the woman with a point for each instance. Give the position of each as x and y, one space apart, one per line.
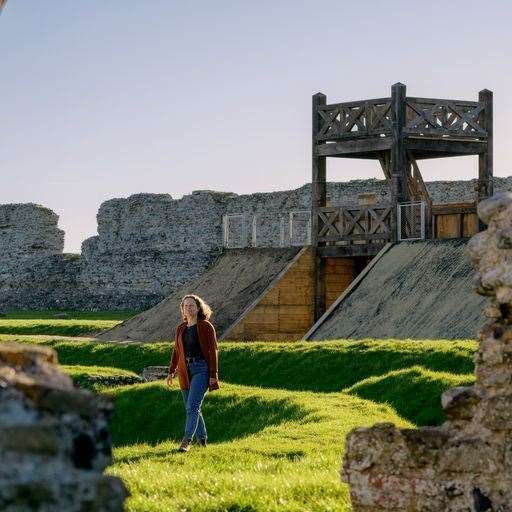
195 360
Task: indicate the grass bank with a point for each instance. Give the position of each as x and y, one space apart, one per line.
408 375
60 323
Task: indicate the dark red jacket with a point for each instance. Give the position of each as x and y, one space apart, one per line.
208 342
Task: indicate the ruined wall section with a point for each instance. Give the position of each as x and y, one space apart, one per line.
27 230
54 438
149 245
32 265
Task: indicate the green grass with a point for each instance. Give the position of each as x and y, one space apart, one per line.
273 449
370 369
75 315
277 425
56 327
60 323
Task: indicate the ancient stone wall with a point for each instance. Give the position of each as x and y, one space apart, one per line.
149 245
27 230
466 464
54 438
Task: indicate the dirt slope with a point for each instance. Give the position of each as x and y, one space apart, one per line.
233 282
418 290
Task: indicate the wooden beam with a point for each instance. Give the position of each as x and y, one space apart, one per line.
318 174
453 208
318 200
350 147
485 159
435 101
337 251
318 285
348 104
398 153
385 163
444 147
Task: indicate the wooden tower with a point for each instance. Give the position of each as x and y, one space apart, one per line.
397 131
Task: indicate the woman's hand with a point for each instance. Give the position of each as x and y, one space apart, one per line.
170 376
213 381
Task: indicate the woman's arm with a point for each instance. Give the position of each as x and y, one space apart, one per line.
214 352
174 361
173 365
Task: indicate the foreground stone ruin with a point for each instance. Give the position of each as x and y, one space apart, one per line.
54 438
466 464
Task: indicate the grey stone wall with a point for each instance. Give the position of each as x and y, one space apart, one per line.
28 229
149 245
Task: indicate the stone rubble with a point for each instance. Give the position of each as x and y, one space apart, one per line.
465 465
151 373
54 438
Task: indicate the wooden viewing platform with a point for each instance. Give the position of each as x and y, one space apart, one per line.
397 131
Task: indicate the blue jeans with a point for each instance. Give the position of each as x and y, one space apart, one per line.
193 398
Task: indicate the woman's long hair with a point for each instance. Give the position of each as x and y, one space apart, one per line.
204 311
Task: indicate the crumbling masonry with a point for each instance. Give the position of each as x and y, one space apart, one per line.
54 438
466 464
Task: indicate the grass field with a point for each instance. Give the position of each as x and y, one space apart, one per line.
276 427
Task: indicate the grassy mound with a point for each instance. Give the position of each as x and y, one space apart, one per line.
60 323
413 393
409 375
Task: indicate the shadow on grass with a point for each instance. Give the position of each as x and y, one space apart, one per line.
151 414
414 393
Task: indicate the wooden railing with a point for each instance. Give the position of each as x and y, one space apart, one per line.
444 118
354 119
367 223
423 117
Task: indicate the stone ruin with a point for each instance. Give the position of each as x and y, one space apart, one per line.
54 438
465 465
149 245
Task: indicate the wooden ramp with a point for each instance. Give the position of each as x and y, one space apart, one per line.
416 290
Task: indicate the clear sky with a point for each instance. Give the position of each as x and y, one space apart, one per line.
103 99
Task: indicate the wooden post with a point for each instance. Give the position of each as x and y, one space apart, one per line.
318 200
485 172
398 154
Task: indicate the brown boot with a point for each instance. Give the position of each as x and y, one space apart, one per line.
202 442
185 445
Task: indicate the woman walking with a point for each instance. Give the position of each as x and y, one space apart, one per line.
195 360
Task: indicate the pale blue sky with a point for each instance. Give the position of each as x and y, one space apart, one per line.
103 99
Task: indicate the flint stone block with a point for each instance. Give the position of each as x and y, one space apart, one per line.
151 373
459 403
